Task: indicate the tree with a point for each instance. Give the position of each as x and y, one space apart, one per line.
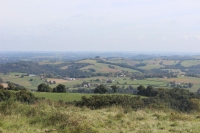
60 88
1 80
1 86
100 89
44 88
141 90
11 86
190 85
114 88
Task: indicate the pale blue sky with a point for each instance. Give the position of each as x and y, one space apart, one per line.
100 25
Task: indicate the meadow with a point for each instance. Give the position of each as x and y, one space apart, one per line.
104 68
188 63
66 97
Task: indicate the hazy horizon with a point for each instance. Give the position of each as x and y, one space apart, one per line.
104 26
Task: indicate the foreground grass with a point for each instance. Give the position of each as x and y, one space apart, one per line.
57 117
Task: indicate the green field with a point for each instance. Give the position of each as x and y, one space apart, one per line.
66 97
129 62
148 67
188 63
25 81
104 68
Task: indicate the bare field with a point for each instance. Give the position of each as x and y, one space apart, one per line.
5 85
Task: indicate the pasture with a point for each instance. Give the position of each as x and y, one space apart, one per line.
129 62
189 63
66 97
104 68
195 81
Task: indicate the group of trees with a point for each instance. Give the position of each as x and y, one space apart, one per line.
21 95
14 87
46 88
48 69
177 99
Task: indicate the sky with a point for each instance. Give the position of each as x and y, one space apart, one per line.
100 25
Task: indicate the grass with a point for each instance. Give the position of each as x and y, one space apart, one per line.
66 97
189 63
195 81
54 117
148 67
103 68
129 62
45 62
25 81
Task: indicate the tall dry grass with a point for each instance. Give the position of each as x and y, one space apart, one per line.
52 117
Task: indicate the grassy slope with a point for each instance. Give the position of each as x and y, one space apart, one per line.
25 81
103 68
44 117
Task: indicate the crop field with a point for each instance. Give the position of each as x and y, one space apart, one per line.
188 63
66 97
